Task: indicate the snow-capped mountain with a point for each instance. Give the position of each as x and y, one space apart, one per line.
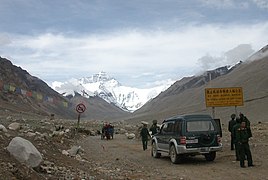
109 89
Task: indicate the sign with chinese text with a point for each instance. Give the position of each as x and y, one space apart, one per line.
220 97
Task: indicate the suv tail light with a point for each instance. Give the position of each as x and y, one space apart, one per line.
182 140
218 139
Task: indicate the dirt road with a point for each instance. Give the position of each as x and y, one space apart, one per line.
122 158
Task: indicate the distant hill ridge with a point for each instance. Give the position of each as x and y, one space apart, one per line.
187 95
184 96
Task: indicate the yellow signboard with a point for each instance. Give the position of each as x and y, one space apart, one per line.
220 97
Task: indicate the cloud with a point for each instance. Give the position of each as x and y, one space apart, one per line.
4 39
225 4
263 4
231 57
234 4
132 53
218 3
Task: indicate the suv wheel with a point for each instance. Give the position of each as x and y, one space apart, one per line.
154 152
210 156
174 157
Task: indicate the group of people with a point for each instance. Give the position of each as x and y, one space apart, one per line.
107 131
240 130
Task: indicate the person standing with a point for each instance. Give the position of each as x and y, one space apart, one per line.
242 137
231 124
154 127
245 119
235 127
144 136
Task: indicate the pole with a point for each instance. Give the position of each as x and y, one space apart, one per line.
236 110
78 120
213 112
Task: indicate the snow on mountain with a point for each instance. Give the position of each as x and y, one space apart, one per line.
263 52
109 89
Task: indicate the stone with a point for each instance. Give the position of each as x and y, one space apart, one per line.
14 126
3 128
30 134
24 151
57 133
64 152
74 150
130 135
45 136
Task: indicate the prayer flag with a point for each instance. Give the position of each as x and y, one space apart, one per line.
18 90
23 92
6 87
29 94
12 88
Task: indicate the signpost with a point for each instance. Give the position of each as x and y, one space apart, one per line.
80 108
222 97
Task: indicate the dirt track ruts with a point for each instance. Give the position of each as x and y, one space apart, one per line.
122 158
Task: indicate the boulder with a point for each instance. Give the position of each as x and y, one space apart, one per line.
74 150
14 126
3 128
24 151
64 152
57 133
30 134
130 135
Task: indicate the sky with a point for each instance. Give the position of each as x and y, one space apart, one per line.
141 43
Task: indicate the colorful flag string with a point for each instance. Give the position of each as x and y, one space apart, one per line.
36 95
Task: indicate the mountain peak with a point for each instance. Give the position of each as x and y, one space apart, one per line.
101 76
98 77
109 89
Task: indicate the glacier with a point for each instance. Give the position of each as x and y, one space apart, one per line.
108 88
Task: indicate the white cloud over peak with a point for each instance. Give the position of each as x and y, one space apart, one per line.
231 57
133 53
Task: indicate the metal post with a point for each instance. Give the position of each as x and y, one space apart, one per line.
213 112
78 120
236 111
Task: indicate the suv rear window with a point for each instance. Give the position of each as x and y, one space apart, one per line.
194 126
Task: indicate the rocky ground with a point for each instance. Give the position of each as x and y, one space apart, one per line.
83 155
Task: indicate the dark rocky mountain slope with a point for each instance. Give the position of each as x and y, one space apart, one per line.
23 93
188 94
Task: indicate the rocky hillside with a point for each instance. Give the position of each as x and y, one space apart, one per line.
21 92
188 94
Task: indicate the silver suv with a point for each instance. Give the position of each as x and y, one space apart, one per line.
187 135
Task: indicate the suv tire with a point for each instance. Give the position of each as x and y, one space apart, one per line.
154 152
210 156
174 157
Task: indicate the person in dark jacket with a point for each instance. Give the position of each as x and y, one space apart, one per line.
242 137
144 136
154 128
236 126
231 124
245 119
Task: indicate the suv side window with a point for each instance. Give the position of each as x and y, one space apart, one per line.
168 127
178 126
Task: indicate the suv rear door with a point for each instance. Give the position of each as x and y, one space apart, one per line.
201 133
